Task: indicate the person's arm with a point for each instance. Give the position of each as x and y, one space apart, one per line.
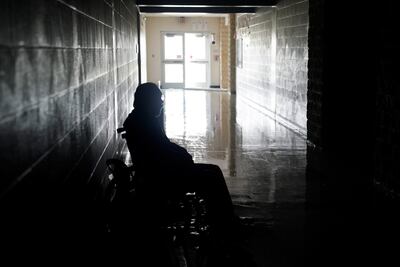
180 153
152 145
168 151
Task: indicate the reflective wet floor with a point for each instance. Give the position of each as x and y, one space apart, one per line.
263 163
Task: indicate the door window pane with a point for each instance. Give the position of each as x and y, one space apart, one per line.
196 46
174 73
173 46
196 73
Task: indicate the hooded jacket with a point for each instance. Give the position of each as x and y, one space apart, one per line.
149 146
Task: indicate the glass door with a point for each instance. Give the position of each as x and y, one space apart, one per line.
173 63
197 65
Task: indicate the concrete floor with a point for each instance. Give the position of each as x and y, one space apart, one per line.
263 163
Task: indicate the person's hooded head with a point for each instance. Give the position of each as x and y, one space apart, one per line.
148 99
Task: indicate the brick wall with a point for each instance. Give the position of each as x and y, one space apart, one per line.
315 84
341 108
232 53
315 72
387 144
275 55
68 70
387 135
227 29
224 48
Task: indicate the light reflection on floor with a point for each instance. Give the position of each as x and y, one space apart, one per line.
263 163
262 160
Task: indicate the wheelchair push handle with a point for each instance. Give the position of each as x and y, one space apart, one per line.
123 131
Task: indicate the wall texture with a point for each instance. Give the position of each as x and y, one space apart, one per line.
143 50
275 55
387 134
387 144
68 70
225 35
344 102
315 92
232 53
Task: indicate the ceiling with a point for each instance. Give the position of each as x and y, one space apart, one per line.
202 6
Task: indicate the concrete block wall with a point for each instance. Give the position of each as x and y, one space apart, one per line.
275 55
291 61
256 78
68 71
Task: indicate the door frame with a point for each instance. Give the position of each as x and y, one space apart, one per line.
206 61
183 61
172 61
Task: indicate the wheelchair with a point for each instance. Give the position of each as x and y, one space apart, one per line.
182 220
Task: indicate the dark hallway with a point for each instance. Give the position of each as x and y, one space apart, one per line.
304 124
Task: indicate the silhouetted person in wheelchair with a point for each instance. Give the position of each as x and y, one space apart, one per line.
167 169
